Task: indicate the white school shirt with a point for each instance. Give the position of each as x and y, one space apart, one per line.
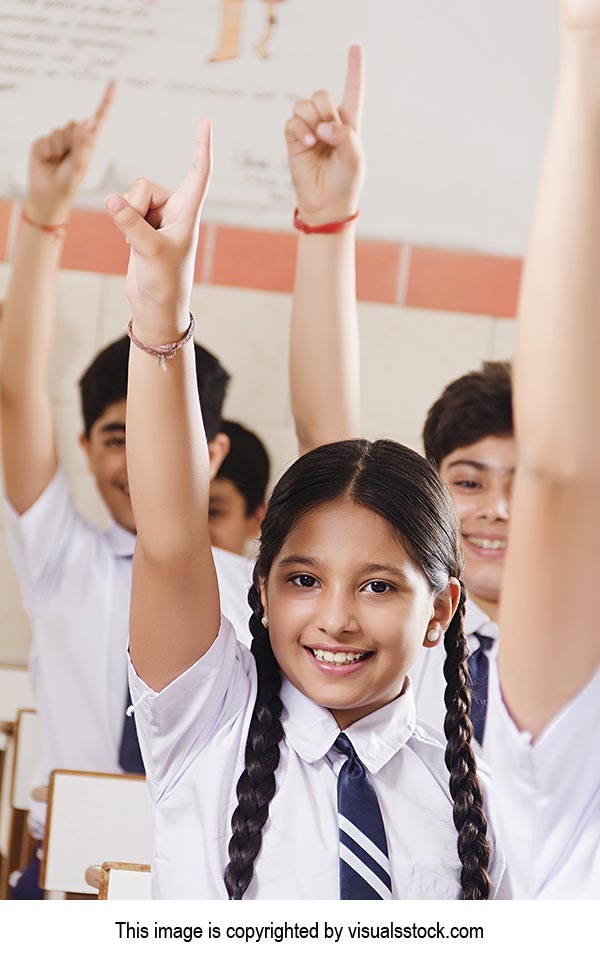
76 582
427 673
546 798
193 736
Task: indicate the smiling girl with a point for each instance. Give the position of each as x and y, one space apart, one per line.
296 770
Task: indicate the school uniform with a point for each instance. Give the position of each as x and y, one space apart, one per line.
427 674
76 583
546 798
193 736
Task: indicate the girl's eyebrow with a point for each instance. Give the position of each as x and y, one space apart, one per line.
298 559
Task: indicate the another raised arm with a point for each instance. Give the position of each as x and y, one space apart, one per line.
327 167
57 165
175 596
550 642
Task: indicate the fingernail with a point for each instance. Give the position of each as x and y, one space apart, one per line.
114 203
310 140
325 130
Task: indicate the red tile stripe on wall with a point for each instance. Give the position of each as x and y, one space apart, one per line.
444 280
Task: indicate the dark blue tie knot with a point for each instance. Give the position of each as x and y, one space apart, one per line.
485 642
345 746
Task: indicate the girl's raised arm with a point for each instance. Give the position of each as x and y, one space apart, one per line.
175 597
550 642
327 167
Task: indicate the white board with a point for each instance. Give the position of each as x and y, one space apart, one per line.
126 884
458 102
94 819
15 693
28 759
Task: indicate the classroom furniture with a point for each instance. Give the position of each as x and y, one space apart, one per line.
93 818
25 760
124 881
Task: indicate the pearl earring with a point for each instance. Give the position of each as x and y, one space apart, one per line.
265 621
433 634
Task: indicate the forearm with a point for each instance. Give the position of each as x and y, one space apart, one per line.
167 453
28 444
549 650
29 314
324 346
557 388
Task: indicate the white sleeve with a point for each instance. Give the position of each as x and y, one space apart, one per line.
543 794
38 540
174 725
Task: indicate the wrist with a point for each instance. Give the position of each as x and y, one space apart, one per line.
45 212
157 328
327 215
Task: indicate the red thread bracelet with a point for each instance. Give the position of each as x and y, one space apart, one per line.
335 227
56 229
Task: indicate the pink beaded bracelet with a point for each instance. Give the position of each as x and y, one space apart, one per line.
164 352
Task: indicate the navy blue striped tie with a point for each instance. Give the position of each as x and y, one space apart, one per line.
478 666
364 861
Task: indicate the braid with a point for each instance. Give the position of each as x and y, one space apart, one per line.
469 816
256 785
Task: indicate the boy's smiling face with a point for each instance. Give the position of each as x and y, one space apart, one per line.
105 451
480 477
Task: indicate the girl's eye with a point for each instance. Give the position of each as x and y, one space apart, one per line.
304 581
467 484
115 443
379 587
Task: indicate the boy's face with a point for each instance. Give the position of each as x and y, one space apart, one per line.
480 478
105 451
230 525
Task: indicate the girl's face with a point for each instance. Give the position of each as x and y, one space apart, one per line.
348 610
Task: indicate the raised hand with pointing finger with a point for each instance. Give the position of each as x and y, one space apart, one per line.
59 161
325 151
162 230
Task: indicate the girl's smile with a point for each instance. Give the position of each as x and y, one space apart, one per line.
348 609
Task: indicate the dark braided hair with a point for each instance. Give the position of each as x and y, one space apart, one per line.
468 813
404 489
256 785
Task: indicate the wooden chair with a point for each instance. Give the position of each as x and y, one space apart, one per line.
124 881
93 818
15 693
25 759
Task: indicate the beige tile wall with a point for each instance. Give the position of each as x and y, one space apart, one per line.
407 358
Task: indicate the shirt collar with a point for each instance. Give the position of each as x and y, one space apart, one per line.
120 541
311 729
476 620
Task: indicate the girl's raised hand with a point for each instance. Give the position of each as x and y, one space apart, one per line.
162 231
58 163
325 151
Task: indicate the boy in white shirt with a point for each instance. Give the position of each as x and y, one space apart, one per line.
75 579
469 437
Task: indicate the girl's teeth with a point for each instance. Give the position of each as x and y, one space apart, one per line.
488 544
335 658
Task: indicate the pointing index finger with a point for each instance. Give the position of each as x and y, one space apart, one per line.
194 186
98 119
352 100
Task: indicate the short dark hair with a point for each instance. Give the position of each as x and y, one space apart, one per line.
246 465
469 409
105 382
